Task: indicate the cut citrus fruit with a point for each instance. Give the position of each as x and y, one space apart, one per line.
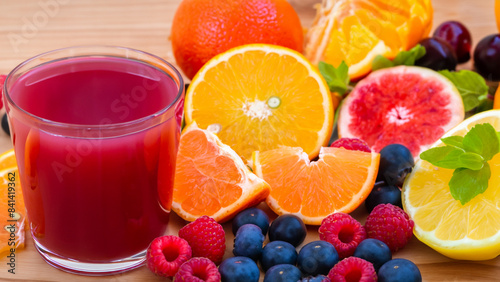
12 215
339 181
258 97
355 31
412 106
466 232
8 160
211 179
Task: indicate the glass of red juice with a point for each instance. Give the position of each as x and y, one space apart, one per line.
95 131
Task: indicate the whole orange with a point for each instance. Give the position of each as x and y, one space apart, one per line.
202 29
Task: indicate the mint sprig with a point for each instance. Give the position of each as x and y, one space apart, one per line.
471 85
337 78
406 58
468 156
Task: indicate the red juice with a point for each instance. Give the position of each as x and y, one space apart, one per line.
92 194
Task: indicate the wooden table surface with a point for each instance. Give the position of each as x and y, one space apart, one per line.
30 27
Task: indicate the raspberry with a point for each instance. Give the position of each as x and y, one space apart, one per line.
206 237
166 254
343 232
391 225
198 268
354 144
353 269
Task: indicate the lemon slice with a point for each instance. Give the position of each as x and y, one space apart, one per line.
466 232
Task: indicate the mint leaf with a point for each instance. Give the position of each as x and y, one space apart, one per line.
406 58
455 141
482 139
452 158
445 157
468 156
471 85
465 184
336 78
471 161
381 62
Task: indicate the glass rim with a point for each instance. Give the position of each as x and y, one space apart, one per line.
87 49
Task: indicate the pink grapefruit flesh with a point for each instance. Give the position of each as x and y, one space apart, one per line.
408 105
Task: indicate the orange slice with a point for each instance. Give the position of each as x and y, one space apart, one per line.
258 97
211 179
8 160
355 31
339 181
12 209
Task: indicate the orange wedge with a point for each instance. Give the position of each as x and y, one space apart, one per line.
355 31
339 181
211 179
258 97
12 209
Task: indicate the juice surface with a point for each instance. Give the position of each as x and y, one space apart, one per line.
93 91
96 199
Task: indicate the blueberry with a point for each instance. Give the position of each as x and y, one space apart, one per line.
251 215
282 273
374 251
383 193
319 278
278 252
239 269
248 241
396 161
5 124
399 270
317 257
289 228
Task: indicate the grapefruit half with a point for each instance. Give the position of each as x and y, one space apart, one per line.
409 105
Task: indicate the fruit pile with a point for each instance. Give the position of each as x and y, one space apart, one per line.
346 249
371 110
352 120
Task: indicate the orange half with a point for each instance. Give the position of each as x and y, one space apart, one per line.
356 31
339 181
258 97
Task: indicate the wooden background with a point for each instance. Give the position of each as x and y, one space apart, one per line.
30 27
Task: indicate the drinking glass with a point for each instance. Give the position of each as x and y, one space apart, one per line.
95 131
